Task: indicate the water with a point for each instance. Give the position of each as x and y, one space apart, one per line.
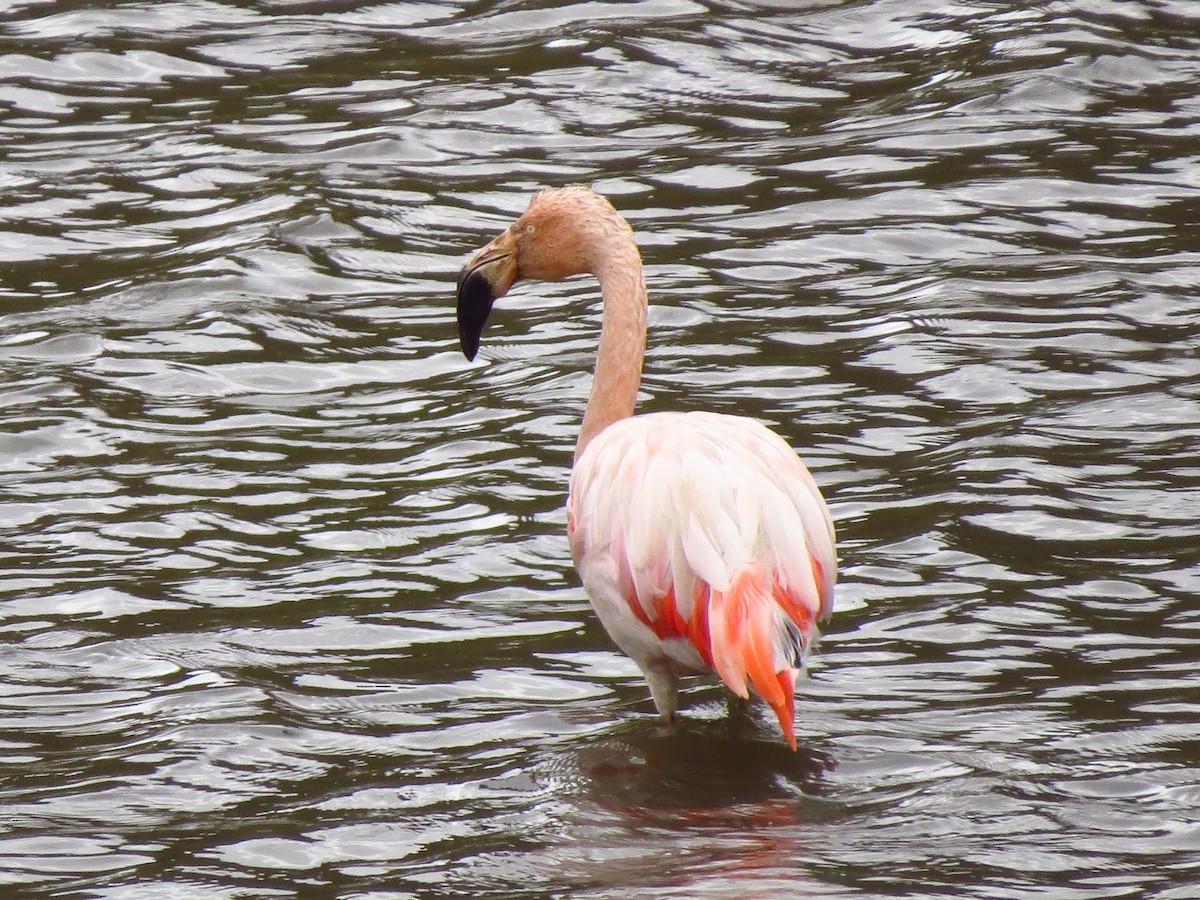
286 604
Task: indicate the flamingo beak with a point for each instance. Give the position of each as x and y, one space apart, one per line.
489 274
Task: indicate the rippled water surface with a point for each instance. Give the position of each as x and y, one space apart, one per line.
286 607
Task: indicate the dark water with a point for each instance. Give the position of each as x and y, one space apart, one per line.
286 608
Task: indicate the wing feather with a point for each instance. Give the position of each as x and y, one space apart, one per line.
670 510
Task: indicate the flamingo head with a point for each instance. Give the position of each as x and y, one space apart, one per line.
555 238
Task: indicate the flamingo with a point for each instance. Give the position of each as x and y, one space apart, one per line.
701 539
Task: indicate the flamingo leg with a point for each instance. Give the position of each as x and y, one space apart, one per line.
737 711
664 689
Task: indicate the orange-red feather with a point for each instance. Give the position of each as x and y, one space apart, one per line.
746 617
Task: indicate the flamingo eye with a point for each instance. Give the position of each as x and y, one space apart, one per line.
530 229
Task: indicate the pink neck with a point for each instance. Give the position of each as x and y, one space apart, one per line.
622 336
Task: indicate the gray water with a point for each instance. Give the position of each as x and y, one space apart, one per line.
286 607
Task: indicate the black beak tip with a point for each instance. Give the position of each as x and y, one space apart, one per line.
470 345
475 299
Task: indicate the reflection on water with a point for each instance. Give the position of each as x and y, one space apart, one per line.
286 600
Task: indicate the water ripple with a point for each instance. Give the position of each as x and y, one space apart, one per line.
286 598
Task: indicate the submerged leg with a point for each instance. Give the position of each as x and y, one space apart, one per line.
737 709
736 706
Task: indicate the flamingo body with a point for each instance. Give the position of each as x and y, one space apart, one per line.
704 545
701 539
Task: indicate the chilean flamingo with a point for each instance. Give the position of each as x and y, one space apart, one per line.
701 539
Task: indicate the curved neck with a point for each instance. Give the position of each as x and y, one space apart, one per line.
622 338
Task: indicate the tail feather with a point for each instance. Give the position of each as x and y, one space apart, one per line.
754 634
785 710
753 630
727 615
